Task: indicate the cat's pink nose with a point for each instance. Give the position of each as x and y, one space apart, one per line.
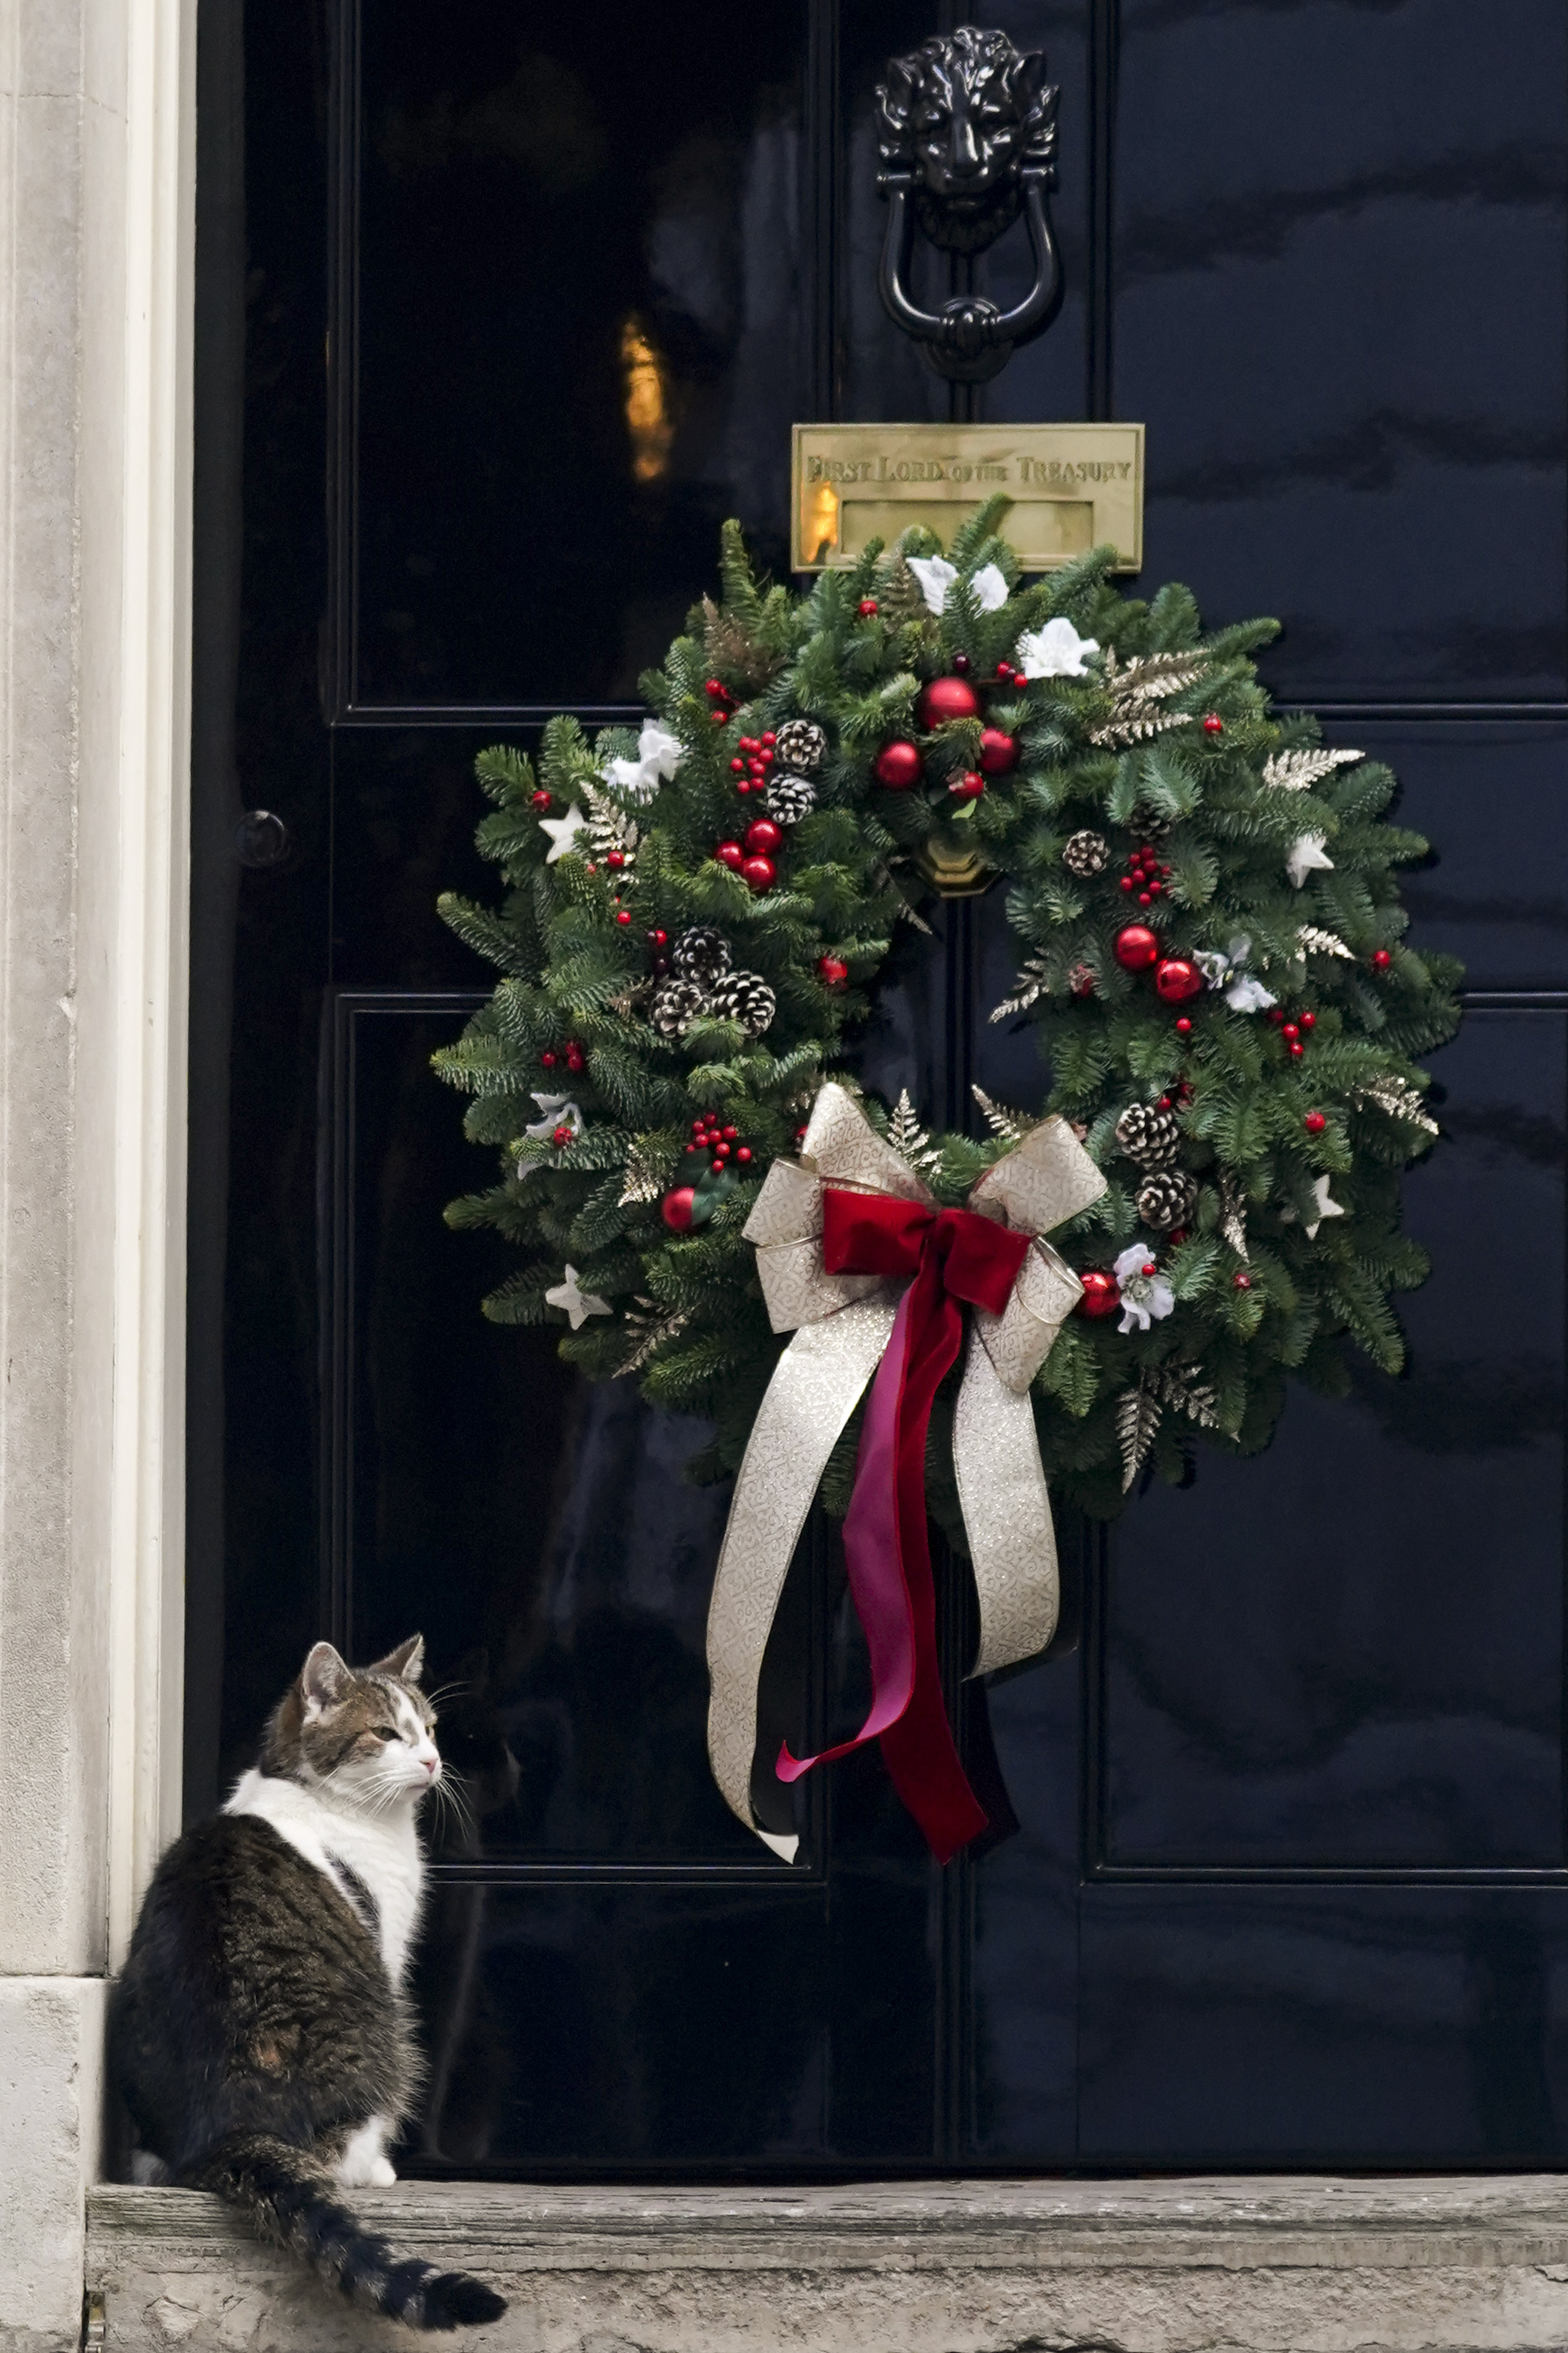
431 1763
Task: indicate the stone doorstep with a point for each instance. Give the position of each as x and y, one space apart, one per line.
1411 2264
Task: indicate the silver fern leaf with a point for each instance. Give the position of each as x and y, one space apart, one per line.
1182 1388
1314 941
1137 1421
1031 984
648 1330
909 1138
1010 1126
1400 1100
1293 772
648 1168
1233 1214
609 828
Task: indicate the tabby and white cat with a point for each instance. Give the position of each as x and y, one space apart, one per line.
260 2033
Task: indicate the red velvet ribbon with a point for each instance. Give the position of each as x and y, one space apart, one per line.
954 1258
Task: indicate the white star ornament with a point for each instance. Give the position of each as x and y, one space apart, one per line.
1326 1208
562 832
1305 856
579 1305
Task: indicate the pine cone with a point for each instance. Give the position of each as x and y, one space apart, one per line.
800 745
1149 825
702 954
1086 853
675 1006
790 798
1148 1135
745 998
1167 1199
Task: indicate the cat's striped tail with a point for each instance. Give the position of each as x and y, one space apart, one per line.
291 2200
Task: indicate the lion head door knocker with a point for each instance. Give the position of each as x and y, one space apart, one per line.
966 129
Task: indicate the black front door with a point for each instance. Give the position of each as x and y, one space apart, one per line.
501 313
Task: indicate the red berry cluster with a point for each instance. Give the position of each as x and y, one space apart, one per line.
832 971
571 1053
656 943
1214 724
967 787
563 1135
1295 1030
750 767
1145 875
1007 676
720 699
723 1143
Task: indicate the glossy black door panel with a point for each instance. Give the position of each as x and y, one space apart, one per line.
1377 2026
1340 280
1348 1651
579 336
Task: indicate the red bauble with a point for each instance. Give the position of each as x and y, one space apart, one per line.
866 608
1183 1027
1314 1123
832 972
998 751
730 854
968 786
1214 724
947 698
1176 980
763 838
1136 947
899 765
541 799
1101 1292
1381 960
760 872
676 1208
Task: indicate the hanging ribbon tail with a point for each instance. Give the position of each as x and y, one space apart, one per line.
872 1555
815 1387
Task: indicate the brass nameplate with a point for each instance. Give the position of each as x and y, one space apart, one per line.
1073 486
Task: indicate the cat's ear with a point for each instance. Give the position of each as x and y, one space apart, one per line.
405 1664
324 1679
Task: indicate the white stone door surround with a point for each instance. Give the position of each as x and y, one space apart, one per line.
97 211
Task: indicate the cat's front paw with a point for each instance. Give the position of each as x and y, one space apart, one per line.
381 2175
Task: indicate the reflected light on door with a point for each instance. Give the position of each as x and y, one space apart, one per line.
821 531
648 410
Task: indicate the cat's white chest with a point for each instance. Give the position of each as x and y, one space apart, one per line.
382 1852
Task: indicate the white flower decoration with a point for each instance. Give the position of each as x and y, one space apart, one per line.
1146 1296
579 1305
1305 855
1242 993
659 754
558 1111
936 576
989 589
562 832
1326 1208
1055 651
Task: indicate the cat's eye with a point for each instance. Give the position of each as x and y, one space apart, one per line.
385 1732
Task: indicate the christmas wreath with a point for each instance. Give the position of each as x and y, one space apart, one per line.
1212 953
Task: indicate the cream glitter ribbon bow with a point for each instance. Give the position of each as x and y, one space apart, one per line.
841 1324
